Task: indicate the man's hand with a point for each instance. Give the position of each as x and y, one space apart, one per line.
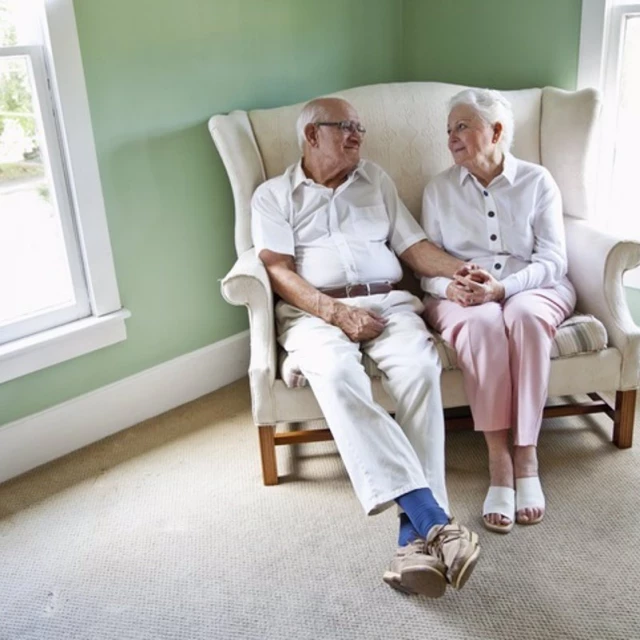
478 285
357 324
472 271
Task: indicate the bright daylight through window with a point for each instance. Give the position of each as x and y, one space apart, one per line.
42 283
58 292
609 60
624 174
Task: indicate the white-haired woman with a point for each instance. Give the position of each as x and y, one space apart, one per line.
504 217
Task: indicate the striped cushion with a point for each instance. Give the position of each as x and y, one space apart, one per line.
578 334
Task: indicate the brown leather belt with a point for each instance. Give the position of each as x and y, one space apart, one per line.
355 290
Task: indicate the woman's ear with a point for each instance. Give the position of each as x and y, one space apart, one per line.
497 132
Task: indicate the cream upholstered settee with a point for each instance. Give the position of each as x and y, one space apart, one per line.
406 135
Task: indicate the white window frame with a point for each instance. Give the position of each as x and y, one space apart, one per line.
599 59
106 323
51 152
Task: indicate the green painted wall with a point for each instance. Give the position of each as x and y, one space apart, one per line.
504 44
156 70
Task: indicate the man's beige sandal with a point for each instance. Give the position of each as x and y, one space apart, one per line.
529 495
415 572
456 547
500 500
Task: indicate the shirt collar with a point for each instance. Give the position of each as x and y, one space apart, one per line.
509 169
298 176
463 174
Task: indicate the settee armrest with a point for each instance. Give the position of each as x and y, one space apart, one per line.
597 262
248 284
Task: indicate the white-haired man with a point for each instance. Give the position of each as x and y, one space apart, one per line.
329 231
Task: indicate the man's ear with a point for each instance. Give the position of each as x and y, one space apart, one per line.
311 134
497 132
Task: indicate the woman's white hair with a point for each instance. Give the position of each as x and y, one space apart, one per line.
492 107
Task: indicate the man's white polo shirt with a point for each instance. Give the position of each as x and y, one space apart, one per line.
337 237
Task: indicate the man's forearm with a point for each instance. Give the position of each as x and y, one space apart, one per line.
295 290
426 259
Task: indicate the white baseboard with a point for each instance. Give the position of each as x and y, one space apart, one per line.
41 437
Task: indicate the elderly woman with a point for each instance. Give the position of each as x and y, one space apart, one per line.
504 217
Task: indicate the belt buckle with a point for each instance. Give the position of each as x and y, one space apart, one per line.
348 289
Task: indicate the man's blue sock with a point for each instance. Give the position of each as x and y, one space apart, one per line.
407 532
423 512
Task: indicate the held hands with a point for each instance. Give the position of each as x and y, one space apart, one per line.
358 324
472 285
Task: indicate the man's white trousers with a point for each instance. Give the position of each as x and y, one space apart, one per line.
385 458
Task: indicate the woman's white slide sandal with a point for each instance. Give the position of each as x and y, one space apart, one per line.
529 495
499 500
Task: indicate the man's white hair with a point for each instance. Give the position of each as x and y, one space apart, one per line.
314 111
492 107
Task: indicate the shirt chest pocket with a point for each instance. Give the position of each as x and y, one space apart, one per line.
369 223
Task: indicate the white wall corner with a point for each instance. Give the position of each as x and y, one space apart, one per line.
39 438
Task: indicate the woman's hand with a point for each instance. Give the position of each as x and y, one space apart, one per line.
473 285
458 293
479 285
472 270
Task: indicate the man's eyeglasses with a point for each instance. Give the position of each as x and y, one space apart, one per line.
345 126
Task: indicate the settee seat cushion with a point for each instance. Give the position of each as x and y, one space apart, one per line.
577 335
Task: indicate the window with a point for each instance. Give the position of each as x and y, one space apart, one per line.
58 294
39 253
610 62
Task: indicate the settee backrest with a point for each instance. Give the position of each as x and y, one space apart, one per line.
406 135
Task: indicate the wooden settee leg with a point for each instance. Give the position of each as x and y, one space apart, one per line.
268 454
624 418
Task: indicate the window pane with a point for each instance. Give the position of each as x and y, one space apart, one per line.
624 201
34 268
17 22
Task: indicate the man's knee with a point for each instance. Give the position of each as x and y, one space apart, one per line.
332 365
421 368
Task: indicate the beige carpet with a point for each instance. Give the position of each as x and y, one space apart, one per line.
165 531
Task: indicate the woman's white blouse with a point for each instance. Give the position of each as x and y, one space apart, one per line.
513 228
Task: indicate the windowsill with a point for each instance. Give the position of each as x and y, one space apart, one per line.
20 357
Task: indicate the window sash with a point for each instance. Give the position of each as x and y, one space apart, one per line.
53 159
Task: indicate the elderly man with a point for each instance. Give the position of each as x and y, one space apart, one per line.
328 232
